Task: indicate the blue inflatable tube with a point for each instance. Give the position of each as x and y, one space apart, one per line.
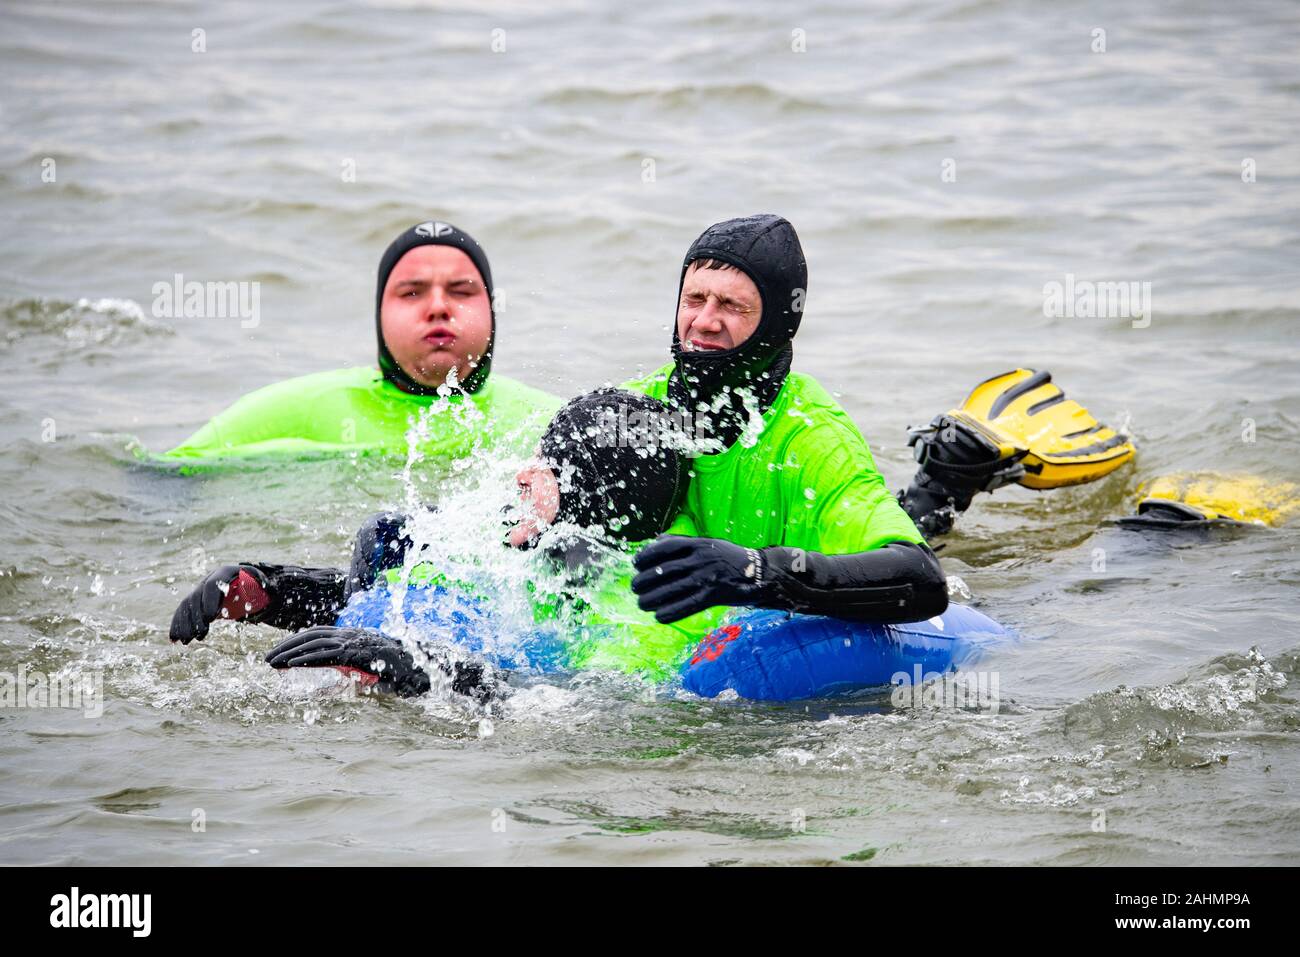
778 656
439 613
761 655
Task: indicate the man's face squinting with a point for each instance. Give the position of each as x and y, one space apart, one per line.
718 309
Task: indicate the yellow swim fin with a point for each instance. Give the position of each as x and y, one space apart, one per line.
1209 498
1055 439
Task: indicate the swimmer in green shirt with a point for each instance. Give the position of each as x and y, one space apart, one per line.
785 508
436 327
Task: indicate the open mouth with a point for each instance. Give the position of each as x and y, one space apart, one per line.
699 345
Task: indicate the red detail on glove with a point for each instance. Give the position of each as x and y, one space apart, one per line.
363 678
244 597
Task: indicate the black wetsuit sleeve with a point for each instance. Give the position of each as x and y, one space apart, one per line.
301 597
896 583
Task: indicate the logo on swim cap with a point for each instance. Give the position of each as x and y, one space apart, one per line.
433 230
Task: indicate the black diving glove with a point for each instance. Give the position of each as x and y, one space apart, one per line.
933 506
232 591
956 463
897 582
679 576
328 646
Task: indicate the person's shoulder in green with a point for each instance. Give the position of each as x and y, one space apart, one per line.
836 498
359 410
508 402
311 409
436 329
653 384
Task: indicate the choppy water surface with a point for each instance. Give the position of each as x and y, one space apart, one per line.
1158 679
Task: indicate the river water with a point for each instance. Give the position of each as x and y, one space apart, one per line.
943 162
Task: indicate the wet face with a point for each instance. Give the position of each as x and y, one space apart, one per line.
435 315
719 309
539 500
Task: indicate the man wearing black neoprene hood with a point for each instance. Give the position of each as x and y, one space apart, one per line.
436 328
785 508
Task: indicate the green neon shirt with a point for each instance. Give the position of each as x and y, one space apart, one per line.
613 634
807 480
358 410
601 625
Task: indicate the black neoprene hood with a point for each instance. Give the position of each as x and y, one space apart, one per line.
432 233
631 488
766 248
